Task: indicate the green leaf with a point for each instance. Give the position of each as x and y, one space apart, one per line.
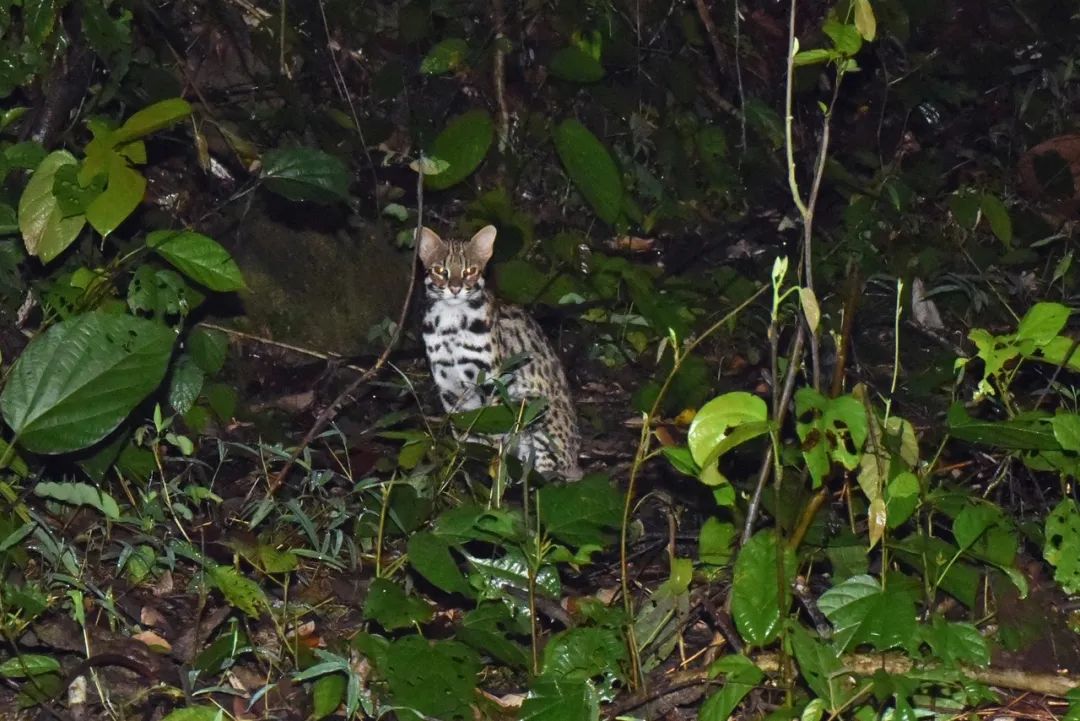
490 627
1016 434
861 611
46 232
151 119
198 257
757 601
185 384
591 168
995 213
306 174
327 693
497 419
715 541
956 642
430 556
1067 430
39 18
195 713
581 513
1061 548
388 605
576 65
161 293
865 22
814 57
78 380
1042 323
28 665
79 494
972 522
463 145
434 678
556 699
447 55
239 591
207 348
579 654
822 668
845 38
741 676
123 193
718 418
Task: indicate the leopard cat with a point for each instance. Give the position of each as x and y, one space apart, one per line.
468 334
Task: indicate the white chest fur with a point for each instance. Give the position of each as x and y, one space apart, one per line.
457 335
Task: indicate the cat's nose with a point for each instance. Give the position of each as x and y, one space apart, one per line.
455 289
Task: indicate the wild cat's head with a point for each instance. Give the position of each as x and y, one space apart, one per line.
455 268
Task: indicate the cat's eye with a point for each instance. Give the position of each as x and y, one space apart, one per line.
472 270
439 271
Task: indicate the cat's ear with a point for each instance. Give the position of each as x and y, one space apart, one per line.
431 247
482 244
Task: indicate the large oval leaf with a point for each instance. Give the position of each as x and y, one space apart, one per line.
590 166
198 257
720 418
45 230
462 145
305 174
757 601
576 65
79 379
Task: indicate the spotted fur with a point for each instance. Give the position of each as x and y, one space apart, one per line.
468 334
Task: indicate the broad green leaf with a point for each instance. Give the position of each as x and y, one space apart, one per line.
591 167
757 601
306 174
162 293
715 541
198 257
574 64
972 521
497 419
239 591
123 193
964 205
39 19
822 668
1067 430
814 57
430 556
388 605
185 384
861 611
463 145
79 494
865 22
196 713
27 665
581 513
740 678
151 119
579 654
1017 434
446 56
46 232
491 628
557 699
207 348
1062 545
327 694
846 38
719 418
437 678
995 213
78 380
956 642
1042 323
